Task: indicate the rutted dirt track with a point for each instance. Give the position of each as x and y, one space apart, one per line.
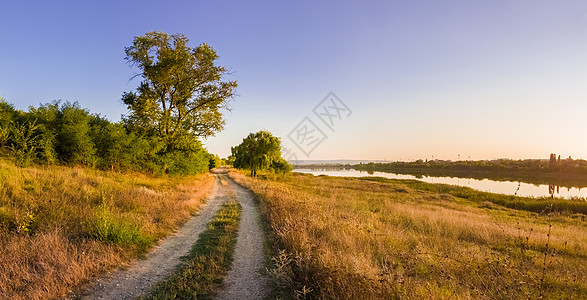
244 280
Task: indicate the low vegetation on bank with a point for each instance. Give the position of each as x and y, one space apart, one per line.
553 165
349 238
60 226
566 172
542 205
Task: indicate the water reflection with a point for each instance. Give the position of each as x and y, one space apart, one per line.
518 188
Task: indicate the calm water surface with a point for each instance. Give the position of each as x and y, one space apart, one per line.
501 187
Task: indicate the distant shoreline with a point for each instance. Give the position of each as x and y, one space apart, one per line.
558 178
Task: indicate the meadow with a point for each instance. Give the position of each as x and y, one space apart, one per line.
352 238
61 226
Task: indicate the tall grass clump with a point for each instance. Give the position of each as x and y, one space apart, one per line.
107 228
60 226
345 238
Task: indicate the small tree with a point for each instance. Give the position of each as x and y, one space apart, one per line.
258 151
4 134
75 144
215 162
64 132
7 115
24 144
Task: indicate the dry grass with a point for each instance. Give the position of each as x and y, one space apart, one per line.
344 238
61 226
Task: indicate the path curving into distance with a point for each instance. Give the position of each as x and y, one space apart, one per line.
162 261
245 279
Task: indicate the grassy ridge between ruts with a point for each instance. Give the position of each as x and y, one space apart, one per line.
349 238
208 261
61 226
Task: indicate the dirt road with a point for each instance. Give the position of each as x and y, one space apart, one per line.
245 279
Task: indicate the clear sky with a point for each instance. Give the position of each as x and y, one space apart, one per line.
479 79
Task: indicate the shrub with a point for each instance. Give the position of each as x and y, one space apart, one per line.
185 156
75 145
281 165
24 143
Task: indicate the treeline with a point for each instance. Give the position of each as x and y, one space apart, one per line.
179 100
65 133
565 166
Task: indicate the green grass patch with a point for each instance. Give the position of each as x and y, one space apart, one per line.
108 229
208 261
537 205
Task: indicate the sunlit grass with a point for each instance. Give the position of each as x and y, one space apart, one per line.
60 226
344 238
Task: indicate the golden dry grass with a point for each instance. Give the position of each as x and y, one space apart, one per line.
344 238
61 226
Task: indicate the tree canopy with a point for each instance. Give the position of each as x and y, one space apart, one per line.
260 151
179 100
182 92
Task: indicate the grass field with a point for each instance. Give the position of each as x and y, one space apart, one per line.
349 238
60 226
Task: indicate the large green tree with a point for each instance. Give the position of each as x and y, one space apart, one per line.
259 151
183 89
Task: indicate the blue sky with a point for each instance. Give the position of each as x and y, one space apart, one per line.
483 79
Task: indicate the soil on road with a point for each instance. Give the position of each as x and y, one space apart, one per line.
246 280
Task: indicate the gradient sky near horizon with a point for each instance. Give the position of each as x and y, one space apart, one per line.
424 79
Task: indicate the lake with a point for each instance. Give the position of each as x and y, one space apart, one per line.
493 186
